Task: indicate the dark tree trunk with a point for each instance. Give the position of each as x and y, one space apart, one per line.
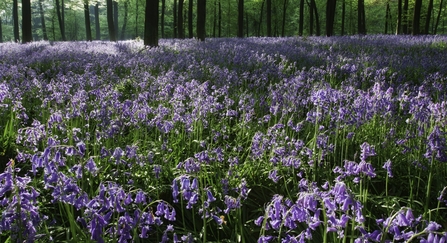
343 17
1 31
269 18
417 17
283 27
63 17
151 23
246 24
438 17
219 22
181 34
311 17
88 29
399 17
15 16
214 18
175 20
27 33
301 21
240 19
405 20
427 20
190 27
387 17
361 17
97 27
110 24
115 17
317 19
42 21
60 20
330 16
163 9
136 19
125 18
201 19
260 18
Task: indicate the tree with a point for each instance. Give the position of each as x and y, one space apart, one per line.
190 27
387 17
151 23
240 19
417 17
163 9
125 18
201 19
175 20
437 18
361 22
27 34
15 16
399 17
42 20
427 19
110 23
343 16
269 17
301 21
88 29
97 27
60 18
283 27
115 17
180 29
330 16
405 18
1 30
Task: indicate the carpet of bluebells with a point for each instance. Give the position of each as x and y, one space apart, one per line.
312 139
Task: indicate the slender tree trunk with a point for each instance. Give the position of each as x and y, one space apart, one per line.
214 18
151 23
405 20
175 20
438 17
27 34
417 17
317 19
399 17
163 9
260 17
63 17
60 20
136 18
1 31
361 17
343 16
181 34
42 20
387 17
115 17
330 16
190 27
88 29
219 22
284 12
301 21
246 23
125 18
201 19
240 18
110 24
427 20
15 16
97 27
311 17
269 18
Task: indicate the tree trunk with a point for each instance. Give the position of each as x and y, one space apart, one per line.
97 27
260 18
399 17
330 16
175 20
15 16
42 21
219 22
125 18
301 21
269 18
438 17
63 17
417 17
240 18
317 19
283 27
405 18
60 20
181 34
151 23
214 18
201 19
110 24
27 33
343 17
163 9
311 17
1 31
115 17
190 27
427 20
88 29
387 12
136 18
361 17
